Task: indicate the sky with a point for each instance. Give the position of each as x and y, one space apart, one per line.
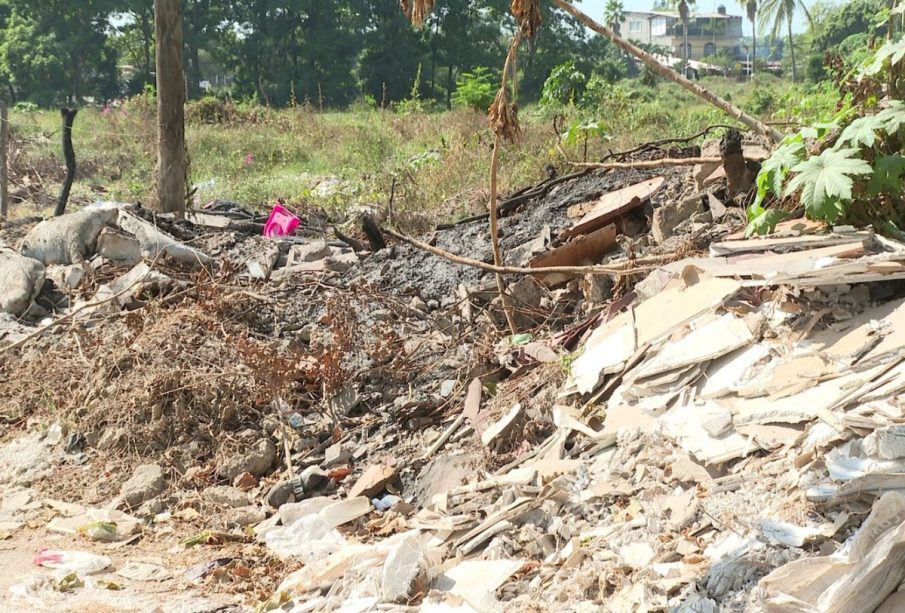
594 8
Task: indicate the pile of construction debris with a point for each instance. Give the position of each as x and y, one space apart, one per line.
720 431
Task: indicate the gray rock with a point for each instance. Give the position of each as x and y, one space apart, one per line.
21 279
149 508
227 496
146 482
886 443
68 239
336 455
156 243
278 494
257 460
244 516
341 263
668 217
309 252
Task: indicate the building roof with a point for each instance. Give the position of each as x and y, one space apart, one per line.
650 14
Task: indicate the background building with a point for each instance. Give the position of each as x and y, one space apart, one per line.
709 34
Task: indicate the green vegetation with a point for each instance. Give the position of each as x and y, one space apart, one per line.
848 166
255 155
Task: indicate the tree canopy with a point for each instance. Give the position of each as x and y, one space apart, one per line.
273 51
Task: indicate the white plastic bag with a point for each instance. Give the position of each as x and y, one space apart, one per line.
79 562
309 539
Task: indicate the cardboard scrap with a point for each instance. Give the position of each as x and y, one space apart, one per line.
374 479
585 250
611 206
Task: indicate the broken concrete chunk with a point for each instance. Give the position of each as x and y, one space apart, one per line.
261 264
309 252
668 216
403 565
227 496
341 263
257 460
374 479
21 280
886 443
69 239
336 455
244 516
118 247
156 243
147 481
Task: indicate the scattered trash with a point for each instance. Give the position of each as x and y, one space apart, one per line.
202 570
280 223
78 562
718 429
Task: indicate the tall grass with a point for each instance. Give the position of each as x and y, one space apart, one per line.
438 160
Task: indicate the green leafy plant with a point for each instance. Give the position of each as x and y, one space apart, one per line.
850 166
581 131
565 85
825 182
475 89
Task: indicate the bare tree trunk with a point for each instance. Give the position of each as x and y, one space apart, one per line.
792 51
667 73
171 157
69 154
147 43
4 169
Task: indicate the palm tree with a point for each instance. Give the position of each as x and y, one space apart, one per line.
777 12
684 14
684 9
751 9
614 15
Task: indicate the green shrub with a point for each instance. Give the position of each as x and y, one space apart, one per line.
565 85
474 89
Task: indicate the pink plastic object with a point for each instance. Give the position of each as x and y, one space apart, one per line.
280 223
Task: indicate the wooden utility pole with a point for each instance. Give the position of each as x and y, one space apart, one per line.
4 164
69 155
171 157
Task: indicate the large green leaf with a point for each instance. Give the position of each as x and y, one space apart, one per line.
861 132
887 177
775 168
893 118
893 50
825 182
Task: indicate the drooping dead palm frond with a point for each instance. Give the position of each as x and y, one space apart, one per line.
503 117
503 114
527 14
417 10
